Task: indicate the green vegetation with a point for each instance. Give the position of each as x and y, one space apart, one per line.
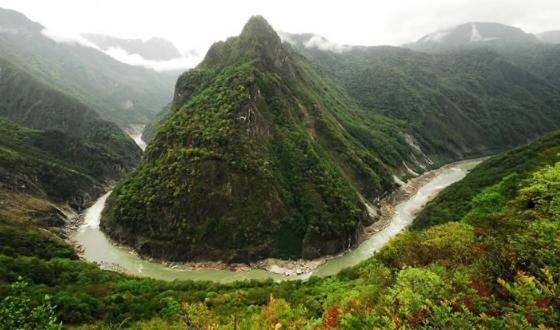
452 204
71 131
256 144
42 174
151 127
456 104
497 267
261 143
119 92
15 312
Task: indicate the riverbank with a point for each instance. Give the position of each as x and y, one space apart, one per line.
93 245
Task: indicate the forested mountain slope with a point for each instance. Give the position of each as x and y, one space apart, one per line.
44 177
517 165
33 104
537 55
495 266
455 103
119 92
257 144
56 157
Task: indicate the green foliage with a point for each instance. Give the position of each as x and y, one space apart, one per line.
455 103
543 191
497 267
456 201
121 93
413 288
23 239
17 311
256 144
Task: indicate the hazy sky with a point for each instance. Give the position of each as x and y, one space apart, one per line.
196 24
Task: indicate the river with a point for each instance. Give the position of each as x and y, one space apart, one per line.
135 132
96 247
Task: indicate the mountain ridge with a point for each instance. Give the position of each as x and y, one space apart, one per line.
154 48
475 33
436 92
277 151
119 92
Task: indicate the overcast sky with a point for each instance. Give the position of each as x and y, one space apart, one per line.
196 24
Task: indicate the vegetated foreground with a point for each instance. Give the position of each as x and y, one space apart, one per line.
298 135
495 265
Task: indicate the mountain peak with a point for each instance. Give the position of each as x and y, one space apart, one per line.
257 41
15 22
258 27
257 35
477 33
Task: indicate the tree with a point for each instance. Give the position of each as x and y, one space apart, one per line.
543 192
17 311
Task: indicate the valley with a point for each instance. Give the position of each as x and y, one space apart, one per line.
284 182
94 246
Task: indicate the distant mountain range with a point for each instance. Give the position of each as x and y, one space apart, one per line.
118 92
476 33
446 89
154 53
157 49
552 37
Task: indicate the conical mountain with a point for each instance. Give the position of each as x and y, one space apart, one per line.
258 157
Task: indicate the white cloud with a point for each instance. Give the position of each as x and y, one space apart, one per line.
324 44
315 41
197 24
189 60
135 59
67 38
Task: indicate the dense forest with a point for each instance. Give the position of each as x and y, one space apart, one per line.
257 144
456 103
494 265
120 93
275 148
